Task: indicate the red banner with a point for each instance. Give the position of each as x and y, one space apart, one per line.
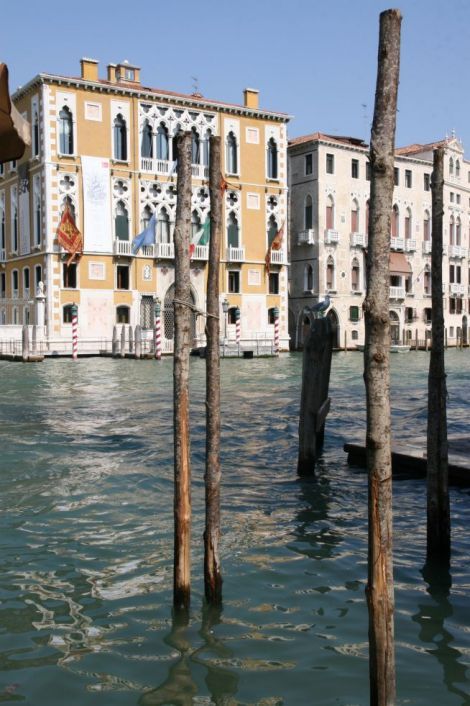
68 235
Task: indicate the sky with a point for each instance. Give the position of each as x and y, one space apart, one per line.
315 60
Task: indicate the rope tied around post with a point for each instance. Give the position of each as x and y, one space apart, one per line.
201 312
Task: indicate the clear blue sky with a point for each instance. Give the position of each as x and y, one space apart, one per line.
314 59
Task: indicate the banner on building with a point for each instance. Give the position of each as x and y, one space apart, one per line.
23 209
68 235
97 226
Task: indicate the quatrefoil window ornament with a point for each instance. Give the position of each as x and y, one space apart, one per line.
232 199
120 187
67 183
272 203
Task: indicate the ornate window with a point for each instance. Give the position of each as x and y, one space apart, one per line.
308 278
146 147
233 231
272 159
121 222
120 138
195 147
163 226
395 221
232 156
451 231
451 165
65 131
457 168
146 216
195 223
458 231
272 229
206 146
162 142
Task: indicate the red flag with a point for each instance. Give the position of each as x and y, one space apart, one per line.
275 245
68 235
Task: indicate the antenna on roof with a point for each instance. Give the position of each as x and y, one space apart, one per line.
195 81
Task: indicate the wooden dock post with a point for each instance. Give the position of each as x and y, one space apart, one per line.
131 340
314 402
25 343
138 342
416 340
122 352
115 346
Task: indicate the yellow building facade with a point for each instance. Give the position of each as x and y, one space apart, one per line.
107 149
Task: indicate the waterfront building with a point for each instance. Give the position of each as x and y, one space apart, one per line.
106 149
329 191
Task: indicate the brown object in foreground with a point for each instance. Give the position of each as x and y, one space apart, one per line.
182 465
15 131
379 590
438 510
212 570
314 401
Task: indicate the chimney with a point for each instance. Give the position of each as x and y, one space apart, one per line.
251 98
89 69
111 73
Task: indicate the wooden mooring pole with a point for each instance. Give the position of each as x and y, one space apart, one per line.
314 401
379 591
182 301
212 568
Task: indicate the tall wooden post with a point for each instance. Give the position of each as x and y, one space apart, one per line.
138 342
212 569
182 467
438 510
377 367
122 351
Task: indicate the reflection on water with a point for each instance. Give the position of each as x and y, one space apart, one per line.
86 542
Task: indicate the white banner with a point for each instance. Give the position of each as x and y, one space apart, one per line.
23 210
97 205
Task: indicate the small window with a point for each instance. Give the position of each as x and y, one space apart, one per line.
308 164
272 160
451 196
122 276
120 139
274 282
354 313
457 198
26 280
234 281
355 168
427 182
396 176
69 276
408 179
231 154
122 315
65 131
427 315
67 314
129 74
3 285
37 275
330 163
354 335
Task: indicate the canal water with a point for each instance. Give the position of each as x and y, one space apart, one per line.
86 542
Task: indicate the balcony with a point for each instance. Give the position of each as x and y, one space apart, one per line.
427 247
457 251
397 292
397 244
235 254
3 255
456 289
201 252
164 251
122 247
358 240
278 257
157 166
331 236
199 171
306 237
410 245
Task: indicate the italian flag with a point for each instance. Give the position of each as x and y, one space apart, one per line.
201 237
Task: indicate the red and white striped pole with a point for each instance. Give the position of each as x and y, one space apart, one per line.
74 331
158 334
276 329
237 325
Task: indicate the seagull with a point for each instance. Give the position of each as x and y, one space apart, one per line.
320 307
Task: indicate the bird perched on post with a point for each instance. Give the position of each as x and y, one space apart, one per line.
318 309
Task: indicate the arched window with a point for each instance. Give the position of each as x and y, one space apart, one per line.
146 147
272 159
26 281
458 231
233 231
195 223
163 226
122 315
146 216
451 165
355 217
308 212
395 221
206 147
195 147
65 131
330 273
308 278
355 275
457 168
37 275
426 227
451 231
330 213
14 224
121 222
120 138
408 224
162 142
67 314
232 157
272 230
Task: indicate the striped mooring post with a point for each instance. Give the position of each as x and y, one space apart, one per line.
158 333
237 325
276 329
74 331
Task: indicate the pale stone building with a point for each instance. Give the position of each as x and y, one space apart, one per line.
329 185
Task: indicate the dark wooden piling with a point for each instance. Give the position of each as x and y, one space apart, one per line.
314 401
182 301
122 351
115 344
212 569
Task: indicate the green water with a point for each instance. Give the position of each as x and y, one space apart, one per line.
86 542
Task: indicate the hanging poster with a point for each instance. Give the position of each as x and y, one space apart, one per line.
97 205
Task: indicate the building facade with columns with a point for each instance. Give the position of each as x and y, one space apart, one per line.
106 148
329 183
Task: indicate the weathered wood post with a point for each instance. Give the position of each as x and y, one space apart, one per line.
379 590
212 568
314 401
416 340
131 340
25 343
115 344
438 509
182 466
138 342
122 351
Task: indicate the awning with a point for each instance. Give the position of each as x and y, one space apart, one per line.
399 265
15 131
